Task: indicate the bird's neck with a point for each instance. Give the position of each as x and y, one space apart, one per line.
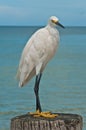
52 29
51 26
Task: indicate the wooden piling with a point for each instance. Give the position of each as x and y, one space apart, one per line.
61 122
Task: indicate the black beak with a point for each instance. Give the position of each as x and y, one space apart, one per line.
60 25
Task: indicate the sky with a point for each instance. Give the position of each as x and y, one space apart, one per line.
37 12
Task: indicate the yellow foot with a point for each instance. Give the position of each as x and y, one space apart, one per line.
43 114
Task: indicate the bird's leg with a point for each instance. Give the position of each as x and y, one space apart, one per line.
36 90
39 112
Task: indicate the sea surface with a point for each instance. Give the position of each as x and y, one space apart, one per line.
63 85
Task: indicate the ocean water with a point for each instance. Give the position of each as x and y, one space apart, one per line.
63 85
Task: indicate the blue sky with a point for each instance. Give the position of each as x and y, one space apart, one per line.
37 12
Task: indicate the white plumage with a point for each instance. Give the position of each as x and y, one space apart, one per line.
40 48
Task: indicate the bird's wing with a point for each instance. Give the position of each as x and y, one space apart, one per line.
32 56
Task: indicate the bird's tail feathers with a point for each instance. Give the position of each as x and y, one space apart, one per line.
27 79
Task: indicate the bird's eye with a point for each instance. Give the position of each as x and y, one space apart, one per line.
53 20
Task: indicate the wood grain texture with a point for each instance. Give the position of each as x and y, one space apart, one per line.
62 122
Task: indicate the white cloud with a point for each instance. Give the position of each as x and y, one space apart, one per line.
12 15
6 9
12 11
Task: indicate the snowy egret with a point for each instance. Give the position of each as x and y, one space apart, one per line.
38 51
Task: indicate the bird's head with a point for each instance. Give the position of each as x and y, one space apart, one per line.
53 21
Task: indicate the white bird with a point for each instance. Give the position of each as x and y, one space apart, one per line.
38 51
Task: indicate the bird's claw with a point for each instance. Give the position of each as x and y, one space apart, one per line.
43 114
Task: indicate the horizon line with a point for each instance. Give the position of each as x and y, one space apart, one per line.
34 26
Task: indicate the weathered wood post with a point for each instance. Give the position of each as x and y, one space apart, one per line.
61 122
